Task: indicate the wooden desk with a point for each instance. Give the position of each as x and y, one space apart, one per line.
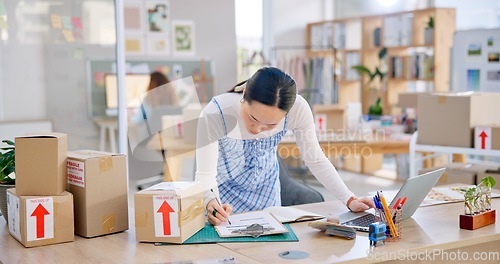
117 248
431 228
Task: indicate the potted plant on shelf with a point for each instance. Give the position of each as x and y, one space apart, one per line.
7 168
429 31
380 72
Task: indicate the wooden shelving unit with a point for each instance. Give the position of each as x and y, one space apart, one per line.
403 34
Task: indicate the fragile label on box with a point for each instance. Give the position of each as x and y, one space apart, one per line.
39 218
76 173
13 209
166 216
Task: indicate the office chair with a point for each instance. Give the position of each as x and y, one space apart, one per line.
294 192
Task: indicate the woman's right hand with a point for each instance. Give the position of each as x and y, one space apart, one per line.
218 214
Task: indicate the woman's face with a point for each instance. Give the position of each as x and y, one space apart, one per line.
259 117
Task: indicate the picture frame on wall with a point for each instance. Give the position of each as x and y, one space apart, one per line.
134 45
158 17
158 45
134 17
183 37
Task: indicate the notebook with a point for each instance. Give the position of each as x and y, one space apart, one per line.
292 215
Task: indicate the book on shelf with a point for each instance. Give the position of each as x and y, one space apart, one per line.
419 66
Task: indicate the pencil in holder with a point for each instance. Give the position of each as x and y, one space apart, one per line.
397 218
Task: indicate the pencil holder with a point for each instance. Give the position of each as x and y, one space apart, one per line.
397 218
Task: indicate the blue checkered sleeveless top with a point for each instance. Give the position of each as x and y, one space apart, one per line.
247 170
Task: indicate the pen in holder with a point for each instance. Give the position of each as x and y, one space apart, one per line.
397 218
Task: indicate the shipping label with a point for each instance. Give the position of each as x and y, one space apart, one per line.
76 173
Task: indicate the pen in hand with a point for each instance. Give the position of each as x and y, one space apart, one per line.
212 190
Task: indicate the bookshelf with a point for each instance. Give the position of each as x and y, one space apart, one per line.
414 62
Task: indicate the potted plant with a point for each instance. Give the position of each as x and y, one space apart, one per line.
380 72
7 168
429 31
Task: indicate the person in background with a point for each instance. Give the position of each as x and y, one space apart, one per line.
164 95
237 138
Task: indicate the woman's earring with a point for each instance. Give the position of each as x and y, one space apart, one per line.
242 100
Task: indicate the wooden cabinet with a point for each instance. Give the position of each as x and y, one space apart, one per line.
417 59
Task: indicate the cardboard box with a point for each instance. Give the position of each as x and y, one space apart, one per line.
335 119
169 212
40 220
487 137
449 119
408 100
41 164
98 181
466 173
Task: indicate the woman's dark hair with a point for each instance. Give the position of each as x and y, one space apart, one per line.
157 79
270 86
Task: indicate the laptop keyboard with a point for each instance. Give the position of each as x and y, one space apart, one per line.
362 221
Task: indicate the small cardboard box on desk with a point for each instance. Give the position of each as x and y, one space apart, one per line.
40 220
98 181
169 212
41 164
449 119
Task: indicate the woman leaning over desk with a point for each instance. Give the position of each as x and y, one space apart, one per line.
238 134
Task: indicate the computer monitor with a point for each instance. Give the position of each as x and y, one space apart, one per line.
136 86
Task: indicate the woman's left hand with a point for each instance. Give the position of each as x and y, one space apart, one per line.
361 204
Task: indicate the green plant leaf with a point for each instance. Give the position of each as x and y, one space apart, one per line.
488 181
382 53
8 170
8 148
8 142
362 70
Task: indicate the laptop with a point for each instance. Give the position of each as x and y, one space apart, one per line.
415 189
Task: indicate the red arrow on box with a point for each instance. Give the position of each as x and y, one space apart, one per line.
320 121
40 212
165 210
483 137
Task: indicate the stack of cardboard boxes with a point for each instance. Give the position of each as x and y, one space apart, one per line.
60 193
40 210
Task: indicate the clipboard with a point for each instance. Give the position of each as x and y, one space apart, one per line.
253 224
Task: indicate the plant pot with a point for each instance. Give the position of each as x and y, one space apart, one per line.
3 199
429 36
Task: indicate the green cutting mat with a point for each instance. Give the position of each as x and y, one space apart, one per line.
209 235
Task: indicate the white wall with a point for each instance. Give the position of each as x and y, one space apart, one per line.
23 82
215 35
357 8
289 19
474 14
48 79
